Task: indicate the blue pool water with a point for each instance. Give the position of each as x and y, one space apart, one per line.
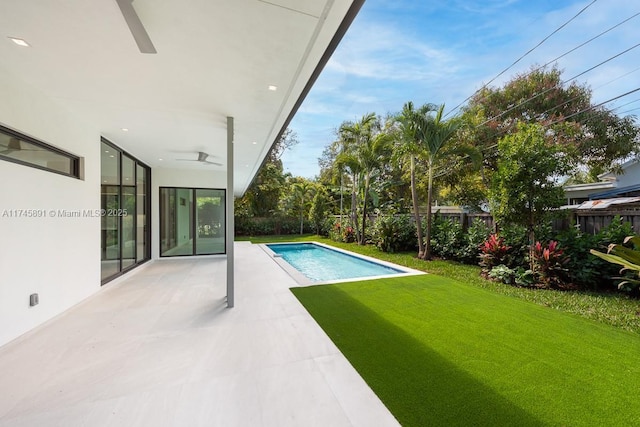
322 264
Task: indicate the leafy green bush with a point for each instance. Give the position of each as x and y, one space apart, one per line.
503 274
335 233
515 236
628 258
447 237
326 226
269 226
616 232
395 233
477 234
585 269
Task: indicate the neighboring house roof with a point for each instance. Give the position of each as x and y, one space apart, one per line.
612 175
603 204
611 184
615 192
590 186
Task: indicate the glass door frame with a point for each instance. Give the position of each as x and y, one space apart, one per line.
147 207
193 226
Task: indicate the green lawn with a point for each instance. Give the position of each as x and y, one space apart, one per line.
441 352
613 309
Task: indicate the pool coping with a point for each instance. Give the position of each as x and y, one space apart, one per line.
303 280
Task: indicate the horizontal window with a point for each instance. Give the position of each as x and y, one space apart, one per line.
18 148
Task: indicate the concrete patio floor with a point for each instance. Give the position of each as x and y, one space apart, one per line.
160 348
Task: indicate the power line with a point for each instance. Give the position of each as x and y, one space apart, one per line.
593 107
524 55
558 85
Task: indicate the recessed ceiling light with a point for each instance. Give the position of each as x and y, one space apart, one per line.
273 88
125 130
254 142
106 151
161 159
19 42
112 156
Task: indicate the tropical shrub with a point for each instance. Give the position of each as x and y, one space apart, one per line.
326 226
348 234
515 237
269 226
319 209
585 269
502 273
395 233
335 232
582 267
628 258
549 262
616 232
447 237
475 236
493 252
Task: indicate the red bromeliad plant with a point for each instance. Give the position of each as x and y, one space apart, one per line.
493 252
348 234
549 263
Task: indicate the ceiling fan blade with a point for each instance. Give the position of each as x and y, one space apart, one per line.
135 26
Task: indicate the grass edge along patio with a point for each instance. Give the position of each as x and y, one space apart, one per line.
439 350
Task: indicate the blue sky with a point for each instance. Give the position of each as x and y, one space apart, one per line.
441 52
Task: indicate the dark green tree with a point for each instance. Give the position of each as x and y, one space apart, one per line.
525 187
320 206
590 136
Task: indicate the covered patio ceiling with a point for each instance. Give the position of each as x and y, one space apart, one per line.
215 58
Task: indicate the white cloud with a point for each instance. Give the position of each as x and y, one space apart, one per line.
397 51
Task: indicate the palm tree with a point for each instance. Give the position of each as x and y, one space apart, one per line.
409 147
366 153
433 134
302 193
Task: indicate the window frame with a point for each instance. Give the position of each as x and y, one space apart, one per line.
193 225
147 204
76 161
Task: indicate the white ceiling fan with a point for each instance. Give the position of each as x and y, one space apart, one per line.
135 26
202 158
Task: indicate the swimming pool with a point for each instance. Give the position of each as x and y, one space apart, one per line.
319 263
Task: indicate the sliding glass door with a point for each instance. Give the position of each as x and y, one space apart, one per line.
192 221
125 212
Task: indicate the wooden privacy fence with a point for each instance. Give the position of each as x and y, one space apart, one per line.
592 221
466 219
589 221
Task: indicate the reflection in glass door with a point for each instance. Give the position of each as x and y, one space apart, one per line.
192 221
141 214
110 189
210 222
128 212
125 222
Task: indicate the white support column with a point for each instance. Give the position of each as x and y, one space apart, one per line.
230 213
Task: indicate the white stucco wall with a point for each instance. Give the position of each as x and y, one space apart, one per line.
58 258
